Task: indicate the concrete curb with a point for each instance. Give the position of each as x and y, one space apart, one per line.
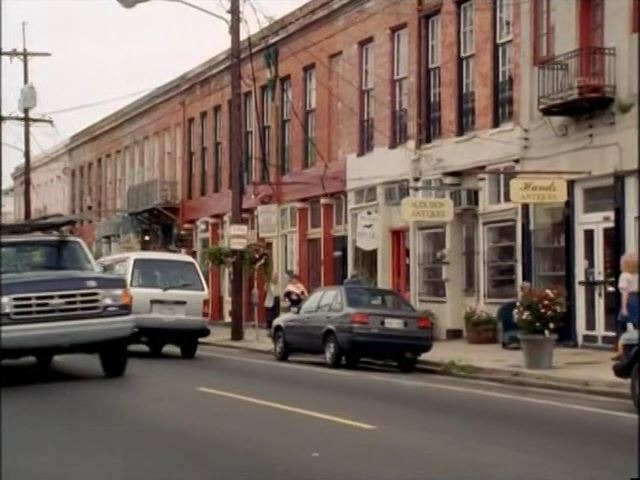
496 375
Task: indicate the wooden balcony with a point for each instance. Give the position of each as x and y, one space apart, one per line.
578 82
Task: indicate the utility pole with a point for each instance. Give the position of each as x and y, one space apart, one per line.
26 119
237 332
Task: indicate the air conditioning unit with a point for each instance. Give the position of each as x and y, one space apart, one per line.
465 199
393 194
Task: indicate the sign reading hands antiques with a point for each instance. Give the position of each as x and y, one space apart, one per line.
538 190
427 209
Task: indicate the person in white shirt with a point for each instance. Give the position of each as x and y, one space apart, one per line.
629 300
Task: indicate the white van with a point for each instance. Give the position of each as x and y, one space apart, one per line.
170 298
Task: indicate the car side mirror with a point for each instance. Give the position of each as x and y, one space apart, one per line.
99 268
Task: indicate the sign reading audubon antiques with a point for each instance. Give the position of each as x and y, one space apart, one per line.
427 209
538 190
268 216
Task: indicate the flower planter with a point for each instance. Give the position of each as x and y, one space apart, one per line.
479 334
538 350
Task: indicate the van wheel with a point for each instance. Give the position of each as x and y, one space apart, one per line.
189 349
114 360
155 347
44 360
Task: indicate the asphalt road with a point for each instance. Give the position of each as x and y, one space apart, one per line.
233 415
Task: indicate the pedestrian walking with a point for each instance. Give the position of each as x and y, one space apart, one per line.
295 292
272 300
629 300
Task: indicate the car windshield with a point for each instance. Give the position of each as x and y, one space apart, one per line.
376 299
166 275
34 256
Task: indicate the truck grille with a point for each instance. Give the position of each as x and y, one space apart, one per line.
56 304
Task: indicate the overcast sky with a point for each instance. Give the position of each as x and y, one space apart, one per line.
101 51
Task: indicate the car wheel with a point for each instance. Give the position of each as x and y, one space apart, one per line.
155 348
189 348
407 364
332 353
635 387
351 360
44 359
280 347
114 360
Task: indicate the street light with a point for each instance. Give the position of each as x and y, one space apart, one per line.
133 3
235 146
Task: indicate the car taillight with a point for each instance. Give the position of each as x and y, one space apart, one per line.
360 319
424 323
205 308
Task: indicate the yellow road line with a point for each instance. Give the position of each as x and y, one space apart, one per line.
287 408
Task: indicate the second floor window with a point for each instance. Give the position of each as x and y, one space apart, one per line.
432 119
265 139
309 117
504 47
190 157
203 154
542 31
400 86
466 107
366 98
248 140
285 149
217 149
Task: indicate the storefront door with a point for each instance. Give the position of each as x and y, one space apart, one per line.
596 284
400 262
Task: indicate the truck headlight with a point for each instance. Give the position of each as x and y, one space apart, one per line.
116 297
6 305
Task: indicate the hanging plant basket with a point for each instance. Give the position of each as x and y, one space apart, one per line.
254 257
220 256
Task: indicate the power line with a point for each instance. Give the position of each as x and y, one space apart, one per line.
97 103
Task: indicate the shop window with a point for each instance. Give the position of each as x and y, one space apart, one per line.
599 199
203 257
432 246
500 261
498 184
365 262
469 240
288 218
548 233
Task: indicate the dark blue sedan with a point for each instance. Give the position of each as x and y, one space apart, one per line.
354 322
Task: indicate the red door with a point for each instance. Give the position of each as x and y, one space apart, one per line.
400 262
591 78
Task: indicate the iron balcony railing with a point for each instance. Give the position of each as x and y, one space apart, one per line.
576 81
152 193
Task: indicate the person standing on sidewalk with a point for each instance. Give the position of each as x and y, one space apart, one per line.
629 299
295 292
272 300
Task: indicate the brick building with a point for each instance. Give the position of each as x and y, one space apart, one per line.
351 105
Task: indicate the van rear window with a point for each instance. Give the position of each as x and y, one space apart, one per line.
166 275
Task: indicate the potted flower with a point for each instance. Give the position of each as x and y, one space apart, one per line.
481 326
538 314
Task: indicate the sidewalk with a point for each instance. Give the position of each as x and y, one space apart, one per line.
575 369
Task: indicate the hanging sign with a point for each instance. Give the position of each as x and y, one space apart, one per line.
367 230
427 209
268 216
538 190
